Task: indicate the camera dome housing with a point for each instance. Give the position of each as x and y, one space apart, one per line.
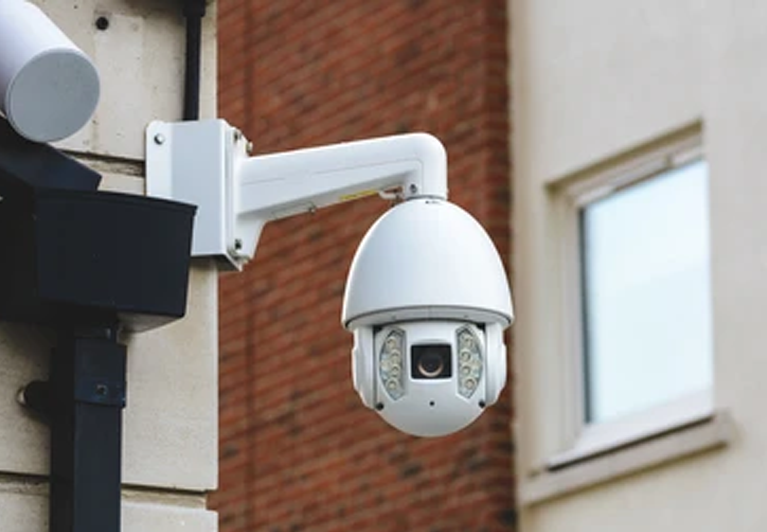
426 258
426 278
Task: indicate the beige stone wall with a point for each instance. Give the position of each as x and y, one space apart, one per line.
170 433
594 79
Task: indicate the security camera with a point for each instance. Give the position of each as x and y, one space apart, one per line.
427 298
49 88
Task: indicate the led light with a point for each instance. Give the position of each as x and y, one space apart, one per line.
469 362
390 364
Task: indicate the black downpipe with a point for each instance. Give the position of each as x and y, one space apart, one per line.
87 394
194 11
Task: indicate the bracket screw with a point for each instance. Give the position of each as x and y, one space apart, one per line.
159 138
238 244
249 148
413 188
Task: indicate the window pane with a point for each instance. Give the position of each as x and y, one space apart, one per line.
647 300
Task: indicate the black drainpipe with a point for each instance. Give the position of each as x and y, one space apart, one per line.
194 11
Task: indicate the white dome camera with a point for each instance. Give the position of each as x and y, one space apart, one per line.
427 300
427 297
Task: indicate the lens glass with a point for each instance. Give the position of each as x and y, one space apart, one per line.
431 361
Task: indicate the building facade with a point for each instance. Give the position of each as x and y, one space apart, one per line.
298 449
639 115
170 422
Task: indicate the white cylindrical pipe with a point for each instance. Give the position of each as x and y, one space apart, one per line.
48 87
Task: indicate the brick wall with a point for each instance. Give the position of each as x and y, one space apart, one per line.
298 449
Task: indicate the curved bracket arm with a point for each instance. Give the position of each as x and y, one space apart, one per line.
207 163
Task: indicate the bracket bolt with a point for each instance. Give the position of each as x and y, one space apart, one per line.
413 188
249 148
237 135
159 138
238 244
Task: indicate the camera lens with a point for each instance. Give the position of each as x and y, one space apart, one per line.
431 365
431 361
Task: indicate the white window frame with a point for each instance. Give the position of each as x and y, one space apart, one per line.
584 440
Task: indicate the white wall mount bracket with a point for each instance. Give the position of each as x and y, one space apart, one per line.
207 163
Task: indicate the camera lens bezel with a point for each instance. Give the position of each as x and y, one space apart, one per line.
424 357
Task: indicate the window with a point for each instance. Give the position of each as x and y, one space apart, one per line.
646 295
639 301
616 339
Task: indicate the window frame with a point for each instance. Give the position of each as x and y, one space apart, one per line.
581 439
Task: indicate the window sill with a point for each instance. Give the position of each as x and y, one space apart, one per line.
714 432
690 409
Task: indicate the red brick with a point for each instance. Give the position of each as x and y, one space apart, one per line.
298 450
